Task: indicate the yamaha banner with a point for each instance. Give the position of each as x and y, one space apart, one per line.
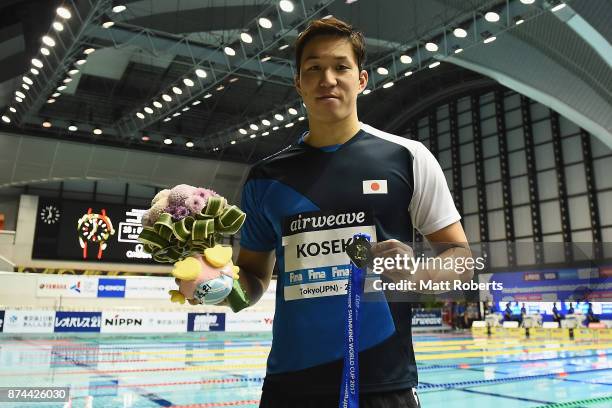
77 322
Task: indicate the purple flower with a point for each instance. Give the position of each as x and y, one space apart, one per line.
180 212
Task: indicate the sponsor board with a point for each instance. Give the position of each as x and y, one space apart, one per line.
198 322
77 321
144 322
28 321
426 318
111 287
249 321
149 287
67 286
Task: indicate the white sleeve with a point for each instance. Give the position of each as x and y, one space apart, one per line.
432 207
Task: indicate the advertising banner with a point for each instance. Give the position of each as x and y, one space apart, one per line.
28 321
148 287
144 322
426 318
111 288
77 322
203 322
249 321
67 286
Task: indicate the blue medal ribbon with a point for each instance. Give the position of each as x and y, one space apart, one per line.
349 391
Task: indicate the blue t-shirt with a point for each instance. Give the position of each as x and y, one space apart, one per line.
306 204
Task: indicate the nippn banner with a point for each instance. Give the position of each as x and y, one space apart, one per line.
67 286
144 322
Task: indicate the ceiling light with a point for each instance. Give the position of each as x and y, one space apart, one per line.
196 103
157 104
25 86
233 142
234 79
45 51
286 6
167 98
283 47
6 119
186 108
265 133
73 71
301 118
275 128
458 50
388 85
48 41
229 51
253 136
175 114
266 58
558 7
13 109
34 71
37 63
527 1
431 47
51 100
18 99
405 59
246 37
407 73
492 17
434 64
459 32
97 131
46 124
20 94
208 95
177 90
56 95
81 62
140 115
366 91
327 16
108 24
168 119
265 122
519 21
61 88
288 125
145 138
189 144
254 126
382 70
168 141
278 116
67 80
63 12
119 8
89 51
220 88
148 110
489 39
188 82
73 128
265 23
242 131
292 111
200 73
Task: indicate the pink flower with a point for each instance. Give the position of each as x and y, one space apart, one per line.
205 193
179 194
196 203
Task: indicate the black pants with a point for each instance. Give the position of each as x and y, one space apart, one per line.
391 399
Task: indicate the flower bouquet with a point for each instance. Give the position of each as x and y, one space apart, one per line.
183 227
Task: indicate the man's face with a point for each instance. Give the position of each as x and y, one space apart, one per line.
329 79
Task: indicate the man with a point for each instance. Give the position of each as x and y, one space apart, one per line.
303 206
